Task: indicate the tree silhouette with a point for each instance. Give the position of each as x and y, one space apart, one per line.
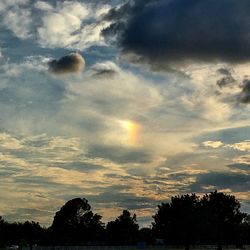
91 228
75 223
215 218
124 230
30 233
222 218
146 235
245 231
2 231
176 222
187 219
23 234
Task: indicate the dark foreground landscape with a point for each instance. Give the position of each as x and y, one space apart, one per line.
207 247
213 221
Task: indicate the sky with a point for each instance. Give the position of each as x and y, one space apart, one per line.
124 103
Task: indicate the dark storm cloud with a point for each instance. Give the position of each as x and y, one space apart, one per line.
71 63
169 31
236 182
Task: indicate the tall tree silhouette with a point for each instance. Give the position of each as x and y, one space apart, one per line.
124 230
222 218
213 219
2 231
176 222
75 223
245 231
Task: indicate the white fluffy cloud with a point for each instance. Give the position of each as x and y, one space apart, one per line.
17 17
67 24
71 24
60 24
241 146
213 144
19 22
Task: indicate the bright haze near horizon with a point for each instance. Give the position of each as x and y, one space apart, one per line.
123 103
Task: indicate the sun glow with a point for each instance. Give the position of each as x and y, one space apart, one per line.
132 130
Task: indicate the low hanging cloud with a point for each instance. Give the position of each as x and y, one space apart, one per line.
72 63
163 33
227 79
244 96
234 85
105 69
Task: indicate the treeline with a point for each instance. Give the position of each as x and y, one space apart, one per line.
214 218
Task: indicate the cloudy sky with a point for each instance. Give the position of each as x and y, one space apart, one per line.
125 103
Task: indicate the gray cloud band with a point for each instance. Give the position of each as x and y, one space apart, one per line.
173 31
